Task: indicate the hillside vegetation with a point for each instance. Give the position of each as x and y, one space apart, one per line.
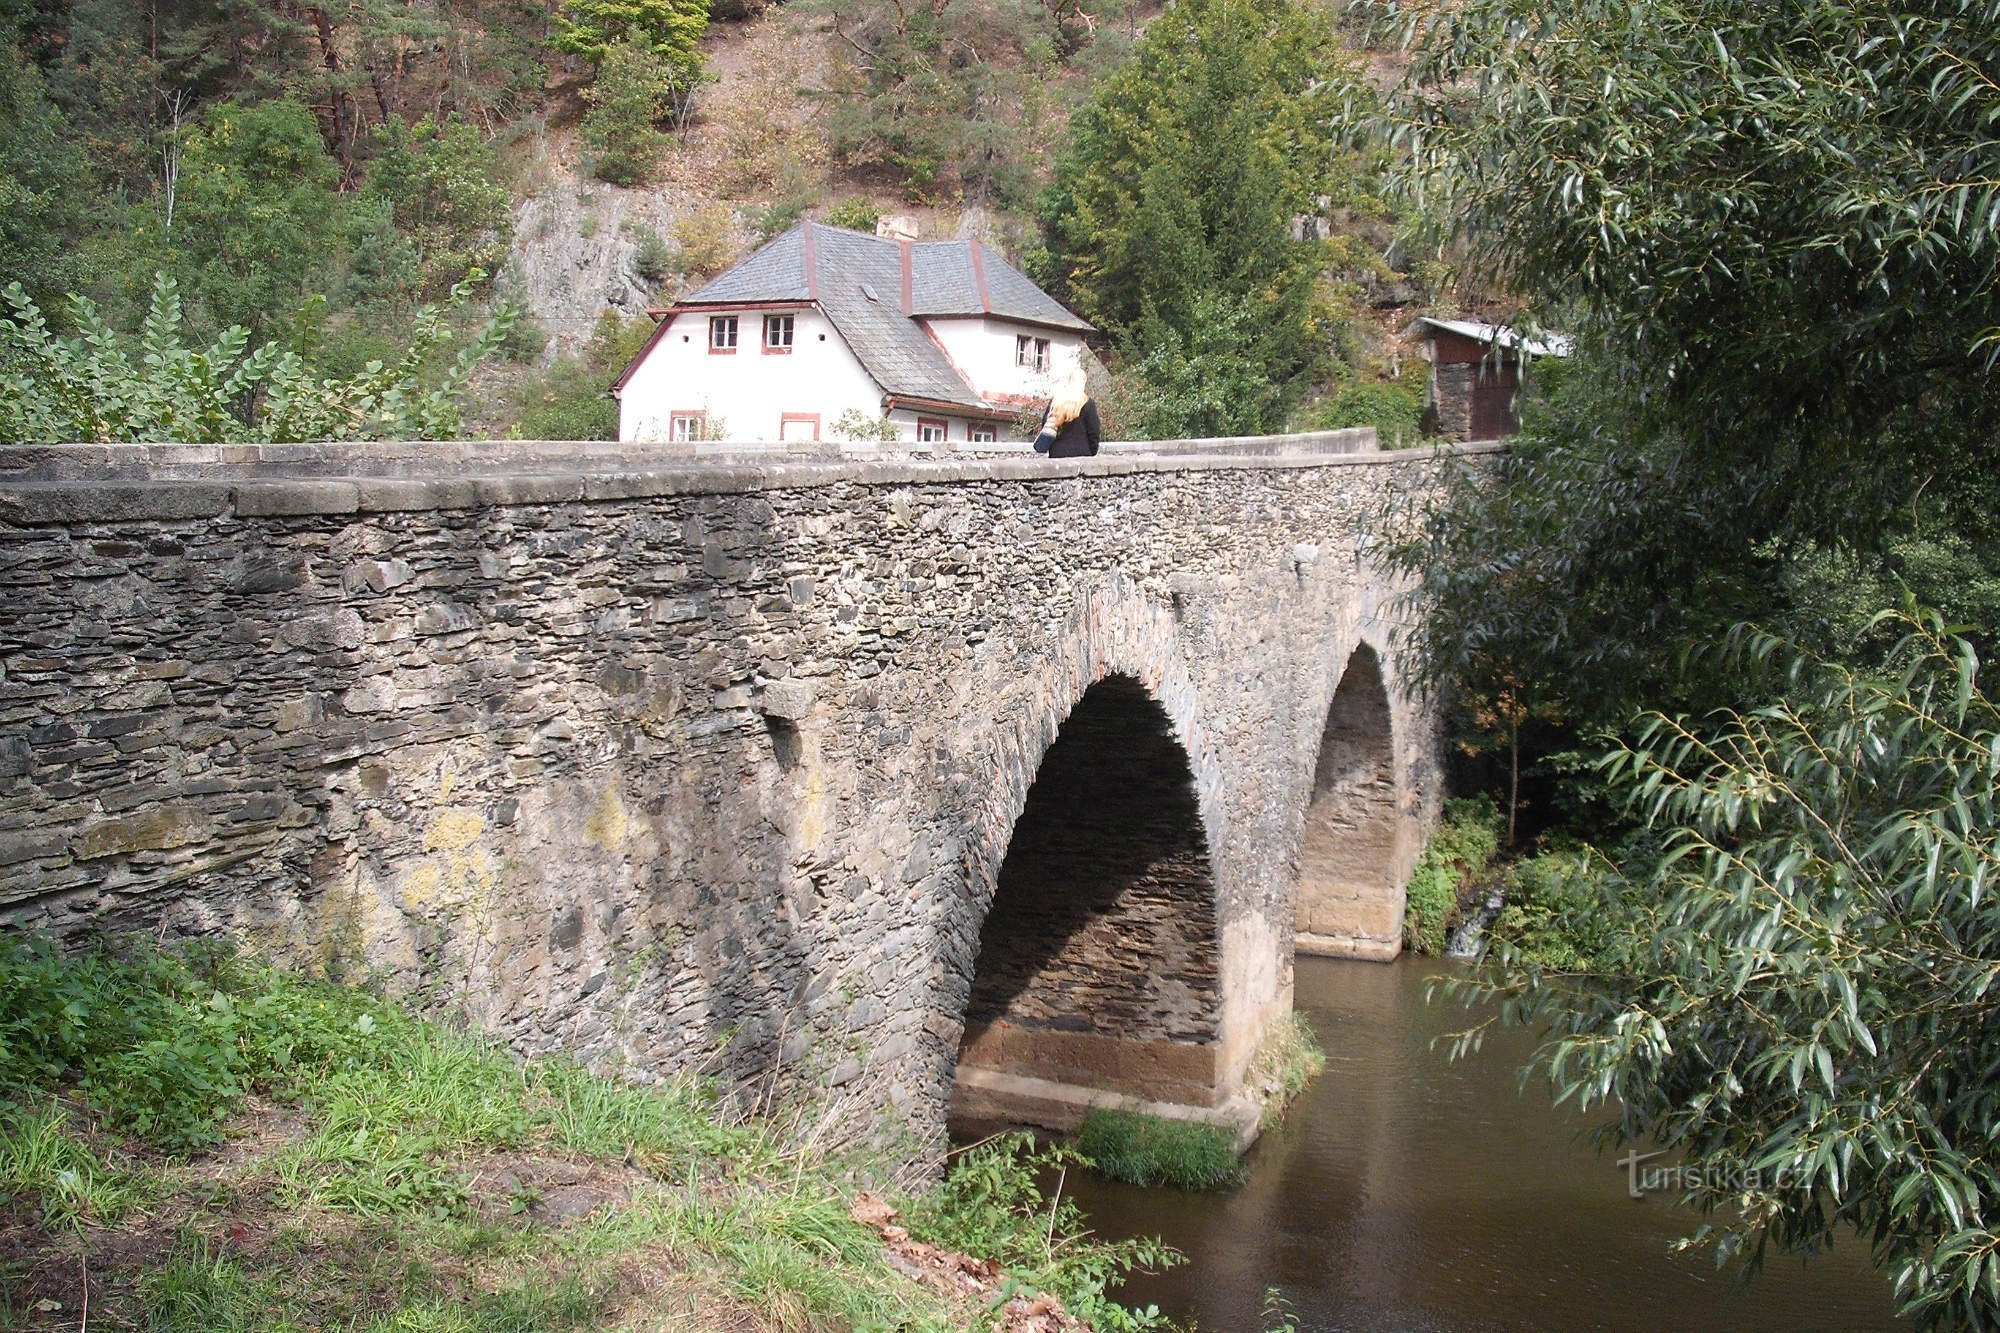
317 174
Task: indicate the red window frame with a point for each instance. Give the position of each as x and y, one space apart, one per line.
942 426
717 325
981 435
697 423
788 418
1031 351
771 323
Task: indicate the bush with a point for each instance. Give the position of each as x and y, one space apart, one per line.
991 1204
707 241
633 93
1554 916
1152 1150
1393 408
1460 847
166 1044
855 215
652 257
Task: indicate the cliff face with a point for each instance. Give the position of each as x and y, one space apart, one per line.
576 253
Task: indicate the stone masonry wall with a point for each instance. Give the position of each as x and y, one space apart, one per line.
1104 919
667 766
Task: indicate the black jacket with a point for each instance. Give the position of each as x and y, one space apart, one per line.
1079 438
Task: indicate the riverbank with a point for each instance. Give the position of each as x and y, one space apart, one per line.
204 1143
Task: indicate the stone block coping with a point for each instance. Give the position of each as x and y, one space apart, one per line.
90 483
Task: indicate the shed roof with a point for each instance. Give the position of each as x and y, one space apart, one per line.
1548 344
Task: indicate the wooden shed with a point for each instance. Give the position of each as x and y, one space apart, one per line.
1475 375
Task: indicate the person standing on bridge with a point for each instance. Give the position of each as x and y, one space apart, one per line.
1070 430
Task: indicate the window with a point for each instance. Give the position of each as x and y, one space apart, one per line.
798 427
1031 352
980 434
777 333
684 427
721 333
932 431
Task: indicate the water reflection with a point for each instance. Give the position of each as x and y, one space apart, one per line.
1410 1192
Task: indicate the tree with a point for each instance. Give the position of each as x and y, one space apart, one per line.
1777 231
43 200
437 178
670 29
97 386
257 216
1178 194
1803 997
634 92
1781 220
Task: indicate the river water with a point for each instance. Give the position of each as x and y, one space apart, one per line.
1407 1191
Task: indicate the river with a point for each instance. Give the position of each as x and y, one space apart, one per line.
1407 1191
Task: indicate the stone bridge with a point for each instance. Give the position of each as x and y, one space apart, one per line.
861 779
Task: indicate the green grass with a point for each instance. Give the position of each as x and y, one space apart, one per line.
1289 1058
1151 1150
385 1173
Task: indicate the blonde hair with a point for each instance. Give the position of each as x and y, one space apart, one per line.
1069 398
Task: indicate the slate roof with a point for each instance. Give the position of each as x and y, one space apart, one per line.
876 291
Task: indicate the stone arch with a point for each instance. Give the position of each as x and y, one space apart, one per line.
1353 859
1090 961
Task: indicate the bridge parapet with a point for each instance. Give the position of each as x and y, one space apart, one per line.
673 763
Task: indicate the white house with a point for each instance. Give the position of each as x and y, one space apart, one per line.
945 339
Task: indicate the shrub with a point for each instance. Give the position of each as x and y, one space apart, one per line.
1460 847
166 1044
632 95
652 257
1152 1150
1554 916
707 241
855 215
991 1203
1392 407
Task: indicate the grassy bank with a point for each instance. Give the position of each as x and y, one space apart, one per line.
198 1142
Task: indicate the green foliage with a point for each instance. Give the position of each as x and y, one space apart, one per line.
1553 917
1202 380
1395 408
98 386
992 1203
1289 1058
571 399
1769 230
255 213
1778 218
635 90
165 1045
956 100
857 426
1798 996
1459 850
1144 1149
670 30
438 180
855 215
42 207
652 257
1169 224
